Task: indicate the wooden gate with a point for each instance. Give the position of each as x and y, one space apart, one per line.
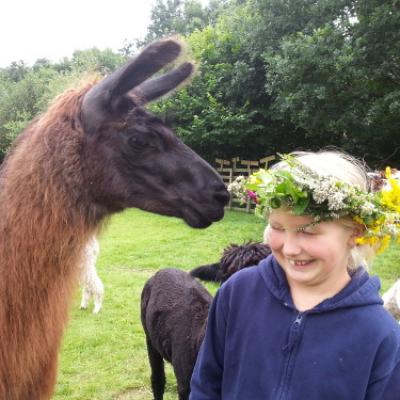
231 169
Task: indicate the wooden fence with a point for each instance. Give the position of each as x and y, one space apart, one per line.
231 169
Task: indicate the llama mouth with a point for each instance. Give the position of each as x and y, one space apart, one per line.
201 219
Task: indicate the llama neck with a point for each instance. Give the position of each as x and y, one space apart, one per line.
44 226
46 219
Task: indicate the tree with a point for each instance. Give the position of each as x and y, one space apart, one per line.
26 91
22 100
225 110
15 72
342 81
274 75
102 61
170 17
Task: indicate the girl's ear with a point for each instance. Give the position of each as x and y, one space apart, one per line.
357 231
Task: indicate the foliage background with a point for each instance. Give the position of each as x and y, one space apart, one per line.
274 75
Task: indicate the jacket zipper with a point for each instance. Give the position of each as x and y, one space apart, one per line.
290 348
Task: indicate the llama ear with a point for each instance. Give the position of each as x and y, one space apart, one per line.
155 88
154 57
108 96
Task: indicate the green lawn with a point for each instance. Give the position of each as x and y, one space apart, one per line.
104 356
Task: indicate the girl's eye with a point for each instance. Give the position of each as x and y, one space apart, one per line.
306 231
277 228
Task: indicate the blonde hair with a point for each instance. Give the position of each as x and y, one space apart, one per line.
344 168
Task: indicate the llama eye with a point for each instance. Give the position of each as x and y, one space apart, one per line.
137 142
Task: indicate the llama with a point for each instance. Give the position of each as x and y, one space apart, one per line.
94 152
92 286
234 258
391 300
174 313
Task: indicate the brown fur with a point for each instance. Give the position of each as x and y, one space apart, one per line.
37 280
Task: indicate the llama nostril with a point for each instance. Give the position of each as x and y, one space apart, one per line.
222 195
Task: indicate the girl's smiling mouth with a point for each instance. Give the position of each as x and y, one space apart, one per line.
299 263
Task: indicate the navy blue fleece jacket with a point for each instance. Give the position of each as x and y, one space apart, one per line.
259 347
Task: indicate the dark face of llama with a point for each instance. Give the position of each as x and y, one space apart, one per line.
139 161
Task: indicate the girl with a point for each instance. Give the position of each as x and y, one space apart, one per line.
307 323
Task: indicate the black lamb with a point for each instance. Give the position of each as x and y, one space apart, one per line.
174 311
234 258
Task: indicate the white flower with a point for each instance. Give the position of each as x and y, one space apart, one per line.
335 202
367 208
320 195
237 188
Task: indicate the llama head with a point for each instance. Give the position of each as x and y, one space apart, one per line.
132 158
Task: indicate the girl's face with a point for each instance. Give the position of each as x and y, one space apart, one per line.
310 255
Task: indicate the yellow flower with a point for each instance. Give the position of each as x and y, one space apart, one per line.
378 243
391 198
358 220
360 241
370 240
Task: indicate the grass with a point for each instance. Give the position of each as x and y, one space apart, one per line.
104 356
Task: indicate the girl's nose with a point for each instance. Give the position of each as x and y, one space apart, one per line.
291 246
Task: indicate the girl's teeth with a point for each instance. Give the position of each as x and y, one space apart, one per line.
298 262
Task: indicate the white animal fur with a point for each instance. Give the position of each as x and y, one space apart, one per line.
391 300
91 284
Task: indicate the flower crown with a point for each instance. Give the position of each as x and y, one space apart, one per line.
324 198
